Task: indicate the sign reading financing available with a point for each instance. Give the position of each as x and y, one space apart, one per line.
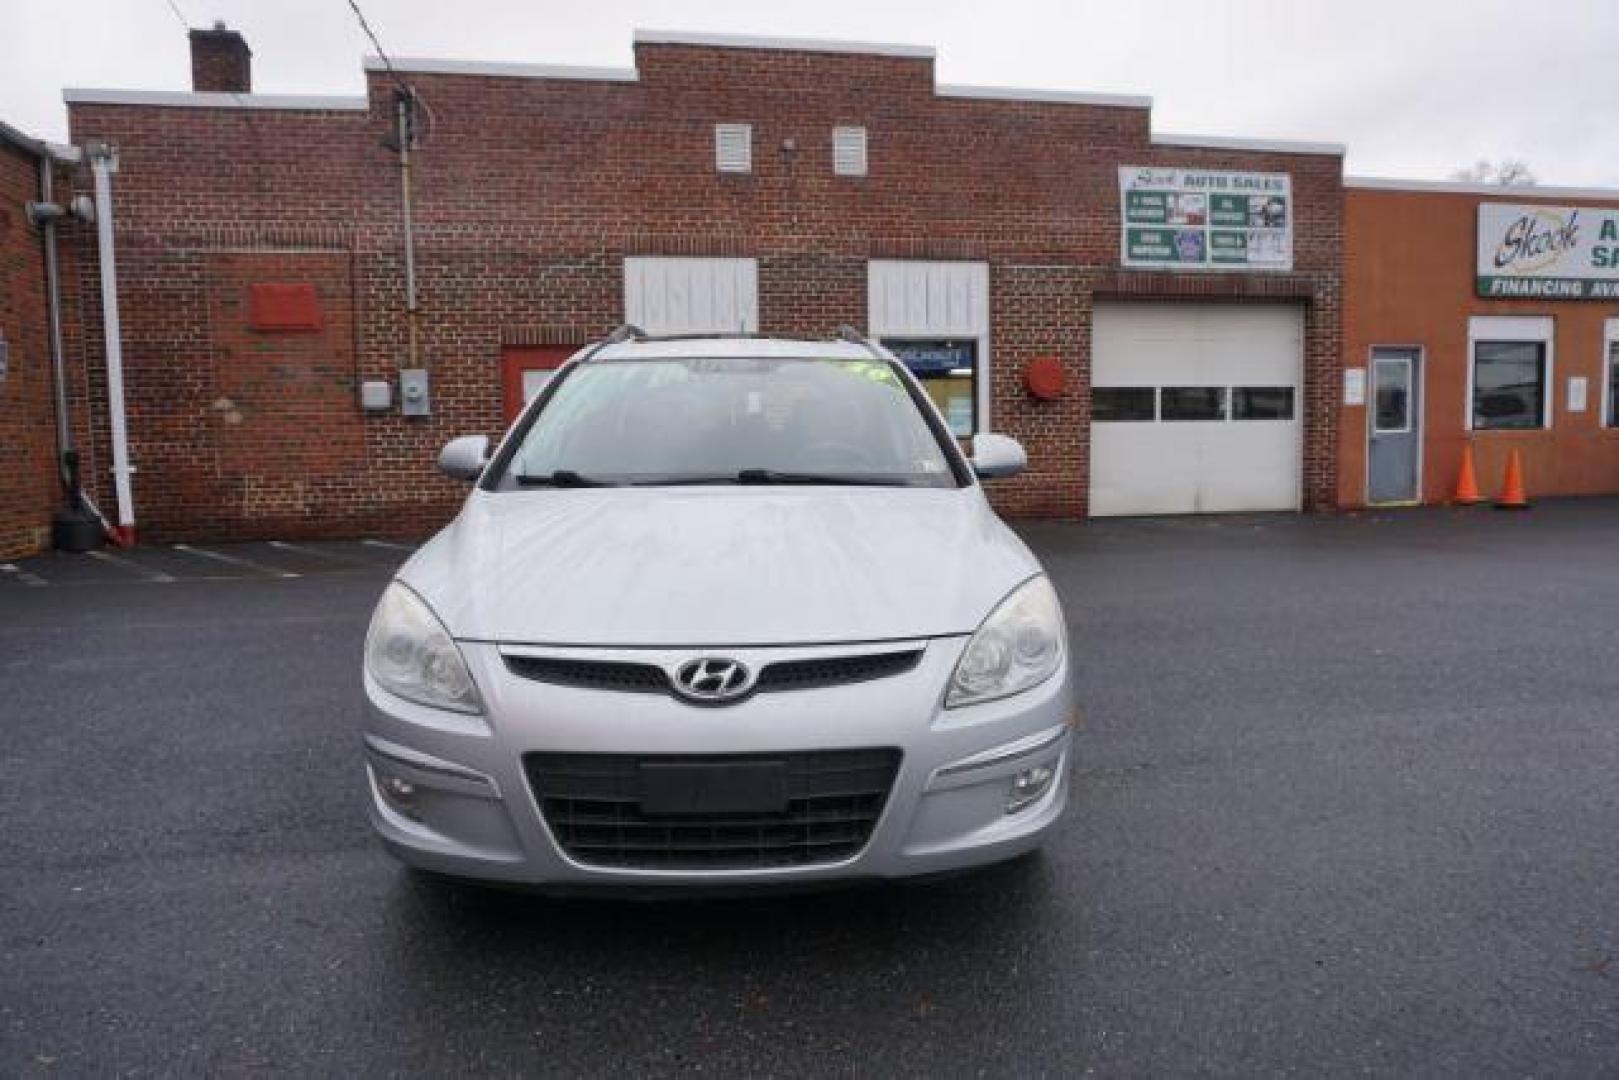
1208 219
1548 252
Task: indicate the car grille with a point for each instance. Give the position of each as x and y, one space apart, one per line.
591 674
834 670
649 678
592 804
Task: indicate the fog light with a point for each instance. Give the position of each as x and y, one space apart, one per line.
1028 786
401 794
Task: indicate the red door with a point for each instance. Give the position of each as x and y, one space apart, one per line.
525 369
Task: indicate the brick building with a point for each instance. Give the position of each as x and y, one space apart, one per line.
1481 317
728 184
31 172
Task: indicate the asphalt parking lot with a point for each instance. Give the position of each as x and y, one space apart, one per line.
1348 801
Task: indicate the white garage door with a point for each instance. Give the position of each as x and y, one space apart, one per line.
1195 408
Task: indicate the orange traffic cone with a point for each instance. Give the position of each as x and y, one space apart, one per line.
1467 484
1512 495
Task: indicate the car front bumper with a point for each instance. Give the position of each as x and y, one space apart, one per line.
449 792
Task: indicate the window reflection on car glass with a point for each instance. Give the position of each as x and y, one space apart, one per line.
663 420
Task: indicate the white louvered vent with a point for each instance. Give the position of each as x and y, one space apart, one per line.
733 147
849 151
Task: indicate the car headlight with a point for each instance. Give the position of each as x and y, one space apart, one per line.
409 653
1020 645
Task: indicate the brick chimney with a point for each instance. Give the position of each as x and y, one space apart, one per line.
221 61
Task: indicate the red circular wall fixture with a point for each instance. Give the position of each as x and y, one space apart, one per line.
1045 378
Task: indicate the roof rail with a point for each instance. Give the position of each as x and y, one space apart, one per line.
702 335
631 332
855 337
621 333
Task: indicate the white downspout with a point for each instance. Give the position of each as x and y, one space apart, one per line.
103 163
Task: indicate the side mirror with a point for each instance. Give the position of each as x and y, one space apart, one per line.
464 458
997 455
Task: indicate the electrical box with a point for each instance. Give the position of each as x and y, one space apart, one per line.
376 395
414 398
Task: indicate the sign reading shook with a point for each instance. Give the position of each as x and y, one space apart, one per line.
1548 252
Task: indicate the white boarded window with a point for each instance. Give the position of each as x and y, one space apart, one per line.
849 151
692 296
733 147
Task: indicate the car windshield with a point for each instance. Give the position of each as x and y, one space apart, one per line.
730 420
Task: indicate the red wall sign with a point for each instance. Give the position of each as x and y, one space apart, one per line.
283 306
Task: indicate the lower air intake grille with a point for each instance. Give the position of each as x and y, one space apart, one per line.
593 805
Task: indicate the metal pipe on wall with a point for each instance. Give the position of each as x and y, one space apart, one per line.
53 315
103 163
407 134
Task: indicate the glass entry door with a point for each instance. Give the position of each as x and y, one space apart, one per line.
1394 452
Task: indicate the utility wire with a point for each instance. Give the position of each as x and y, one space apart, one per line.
178 14
372 34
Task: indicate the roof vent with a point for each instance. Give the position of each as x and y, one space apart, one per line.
849 151
733 148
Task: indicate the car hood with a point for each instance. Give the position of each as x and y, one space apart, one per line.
718 566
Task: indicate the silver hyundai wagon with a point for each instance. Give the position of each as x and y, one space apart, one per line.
719 611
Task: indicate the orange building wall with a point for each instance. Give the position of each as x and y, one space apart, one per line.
1409 260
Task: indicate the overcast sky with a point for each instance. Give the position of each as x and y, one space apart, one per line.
1416 88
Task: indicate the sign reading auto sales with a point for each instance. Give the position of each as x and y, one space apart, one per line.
1209 219
1548 252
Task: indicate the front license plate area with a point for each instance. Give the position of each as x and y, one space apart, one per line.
685 788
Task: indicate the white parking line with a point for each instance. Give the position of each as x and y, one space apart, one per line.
131 566
388 544
21 575
316 552
234 560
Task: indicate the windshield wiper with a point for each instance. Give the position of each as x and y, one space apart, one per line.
567 478
683 481
776 476
562 478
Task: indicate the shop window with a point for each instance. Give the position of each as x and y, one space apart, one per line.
1509 385
946 368
1261 403
1613 378
1192 403
1118 404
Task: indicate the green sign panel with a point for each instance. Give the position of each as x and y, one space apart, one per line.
1228 246
1164 245
1151 207
1229 210
1542 288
